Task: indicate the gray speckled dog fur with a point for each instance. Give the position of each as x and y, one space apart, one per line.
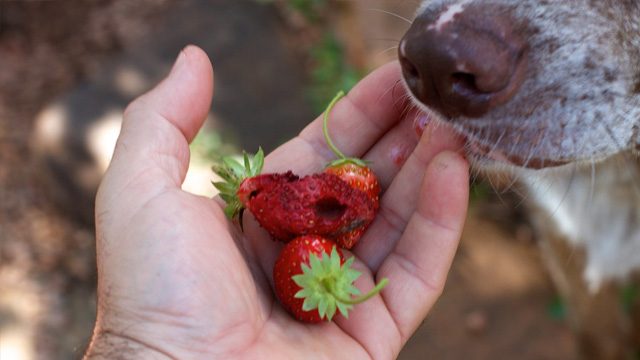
579 105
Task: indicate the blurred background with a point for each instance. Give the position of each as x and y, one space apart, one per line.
67 70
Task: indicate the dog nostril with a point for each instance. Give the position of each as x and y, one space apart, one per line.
464 83
409 71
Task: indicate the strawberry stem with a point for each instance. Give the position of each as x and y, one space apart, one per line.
365 297
325 127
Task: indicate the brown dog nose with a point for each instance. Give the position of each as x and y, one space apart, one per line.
463 60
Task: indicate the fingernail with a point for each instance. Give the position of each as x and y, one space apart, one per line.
420 123
443 159
448 158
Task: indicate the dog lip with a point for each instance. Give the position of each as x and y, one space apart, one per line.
486 153
516 80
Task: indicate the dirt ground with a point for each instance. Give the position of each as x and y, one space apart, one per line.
498 301
67 69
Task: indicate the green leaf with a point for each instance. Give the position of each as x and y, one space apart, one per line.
352 275
335 260
224 174
229 199
258 162
230 211
322 307
310 303
347 264
331 308
302 294
344 309
353 290
316 266
234 166
225 187
300 280
247 163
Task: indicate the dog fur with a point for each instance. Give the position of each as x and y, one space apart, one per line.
579 106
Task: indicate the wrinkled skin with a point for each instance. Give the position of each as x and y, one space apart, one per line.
177 280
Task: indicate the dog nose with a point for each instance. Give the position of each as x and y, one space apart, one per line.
463 61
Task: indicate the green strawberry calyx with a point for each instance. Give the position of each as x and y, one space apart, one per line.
341 157
233 173
327 285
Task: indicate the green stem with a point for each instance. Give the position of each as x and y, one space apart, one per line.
325 127
366 296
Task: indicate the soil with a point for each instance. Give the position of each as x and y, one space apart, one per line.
69 57
47 275
498 301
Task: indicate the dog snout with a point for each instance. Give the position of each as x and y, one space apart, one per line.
464 60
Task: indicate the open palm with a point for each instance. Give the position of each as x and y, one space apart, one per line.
177 279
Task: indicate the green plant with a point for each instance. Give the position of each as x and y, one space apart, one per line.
310 9
330 72
210 146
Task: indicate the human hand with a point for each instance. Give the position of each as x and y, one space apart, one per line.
176 279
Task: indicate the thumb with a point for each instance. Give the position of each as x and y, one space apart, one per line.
152 151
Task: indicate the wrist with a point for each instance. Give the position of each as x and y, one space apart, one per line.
110 345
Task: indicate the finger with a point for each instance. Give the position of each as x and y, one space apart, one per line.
400 201
392 151
356 122
183 98
418 265
395 315
370 323
152 152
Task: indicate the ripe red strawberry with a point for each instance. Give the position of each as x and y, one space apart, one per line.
356 173
359 176
288 206
312 280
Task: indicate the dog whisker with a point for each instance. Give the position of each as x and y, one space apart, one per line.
382 52
392 14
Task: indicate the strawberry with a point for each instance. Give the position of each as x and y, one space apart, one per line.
232 174
356 173
288 206
312 280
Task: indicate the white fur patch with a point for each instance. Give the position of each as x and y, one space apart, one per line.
448 15
595 208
